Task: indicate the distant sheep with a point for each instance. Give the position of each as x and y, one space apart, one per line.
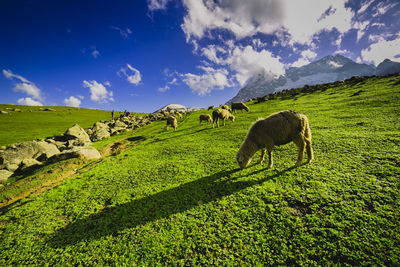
171 121
278 129
260 99
226 107
178 115
205 117
222 114
239 106
210 108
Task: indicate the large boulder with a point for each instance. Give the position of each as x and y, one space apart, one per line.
4 175
100 131
28 164
14 154
77 136
86 152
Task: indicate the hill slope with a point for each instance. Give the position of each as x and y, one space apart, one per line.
178 198
325 70
32 122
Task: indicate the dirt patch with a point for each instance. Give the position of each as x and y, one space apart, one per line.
121 145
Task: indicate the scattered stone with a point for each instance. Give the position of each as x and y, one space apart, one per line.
76 136
17 110
3 112
27 164
100 131
86 152
49 109
16 153
4 175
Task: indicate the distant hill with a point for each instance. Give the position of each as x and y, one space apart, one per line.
326 70
175 108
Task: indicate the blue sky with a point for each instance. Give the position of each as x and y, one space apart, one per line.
141 55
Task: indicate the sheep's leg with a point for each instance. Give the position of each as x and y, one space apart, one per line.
263 151
309 151
270 160
223 120
301 146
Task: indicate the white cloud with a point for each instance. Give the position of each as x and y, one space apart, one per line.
157 4
124 33
72 102
247 62
98 92
29 102
246 18
381 50
107 83
166 87
382 8
132 75
306 57
95 53
244 61
301 62
212 79
25 86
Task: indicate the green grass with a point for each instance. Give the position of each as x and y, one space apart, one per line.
32 123
178 198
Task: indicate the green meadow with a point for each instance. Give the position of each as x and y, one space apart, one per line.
179 198
33 123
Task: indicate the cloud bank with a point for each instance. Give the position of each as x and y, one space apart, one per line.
72 102
25 86
98 92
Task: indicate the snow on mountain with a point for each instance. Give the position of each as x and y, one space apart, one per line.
313 79
176 108
326 70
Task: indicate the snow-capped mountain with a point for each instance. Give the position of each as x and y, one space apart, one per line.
326 70
176 108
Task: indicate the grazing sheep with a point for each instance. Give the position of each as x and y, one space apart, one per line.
239 106
260 99
171 121
278 129
226 107
222 114
205 117
178 115
210 108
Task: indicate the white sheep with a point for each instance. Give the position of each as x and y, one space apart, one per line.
278 129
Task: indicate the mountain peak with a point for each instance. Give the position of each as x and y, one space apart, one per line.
327 69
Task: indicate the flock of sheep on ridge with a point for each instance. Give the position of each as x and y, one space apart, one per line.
278 129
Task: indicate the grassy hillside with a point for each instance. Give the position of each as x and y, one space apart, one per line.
33 123
178 198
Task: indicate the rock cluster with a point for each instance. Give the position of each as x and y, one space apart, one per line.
74 143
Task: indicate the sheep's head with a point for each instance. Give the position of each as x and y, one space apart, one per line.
232 118
246 108
242 160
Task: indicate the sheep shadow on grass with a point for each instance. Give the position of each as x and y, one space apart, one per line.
112 220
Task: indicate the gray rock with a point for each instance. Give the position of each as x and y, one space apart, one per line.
28 163
100 131
86 152
16 153
4 175
78 135
3 112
